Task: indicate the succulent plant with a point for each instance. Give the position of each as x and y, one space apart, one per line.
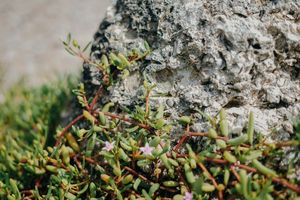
129 154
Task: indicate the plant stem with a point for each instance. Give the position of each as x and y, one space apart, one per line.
147 180
123 118
220 192
205 134
182 140
95 99
280 181
65 130
232 168
147 103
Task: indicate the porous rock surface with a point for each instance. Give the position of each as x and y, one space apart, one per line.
243 55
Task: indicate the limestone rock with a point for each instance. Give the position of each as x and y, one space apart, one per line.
208 54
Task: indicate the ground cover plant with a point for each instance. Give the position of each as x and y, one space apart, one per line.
108 152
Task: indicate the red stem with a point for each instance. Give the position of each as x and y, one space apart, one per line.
95 99
125 119
280 181
285 183
65 130
147 103
220 193
183 139
204 134
145 179
232 168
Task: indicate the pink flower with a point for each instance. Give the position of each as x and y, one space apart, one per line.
188 196
147 150
108 146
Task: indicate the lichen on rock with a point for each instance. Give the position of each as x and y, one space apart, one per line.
240 55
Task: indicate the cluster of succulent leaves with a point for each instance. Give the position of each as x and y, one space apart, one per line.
28 118
122 153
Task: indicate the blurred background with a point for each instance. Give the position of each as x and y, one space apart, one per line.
31 32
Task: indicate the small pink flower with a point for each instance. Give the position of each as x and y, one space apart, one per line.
147 150
108 146
188 196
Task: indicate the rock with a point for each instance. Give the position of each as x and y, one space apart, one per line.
208 54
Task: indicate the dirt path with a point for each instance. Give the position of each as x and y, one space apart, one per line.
30 35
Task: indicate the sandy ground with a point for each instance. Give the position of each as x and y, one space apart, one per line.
31 33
